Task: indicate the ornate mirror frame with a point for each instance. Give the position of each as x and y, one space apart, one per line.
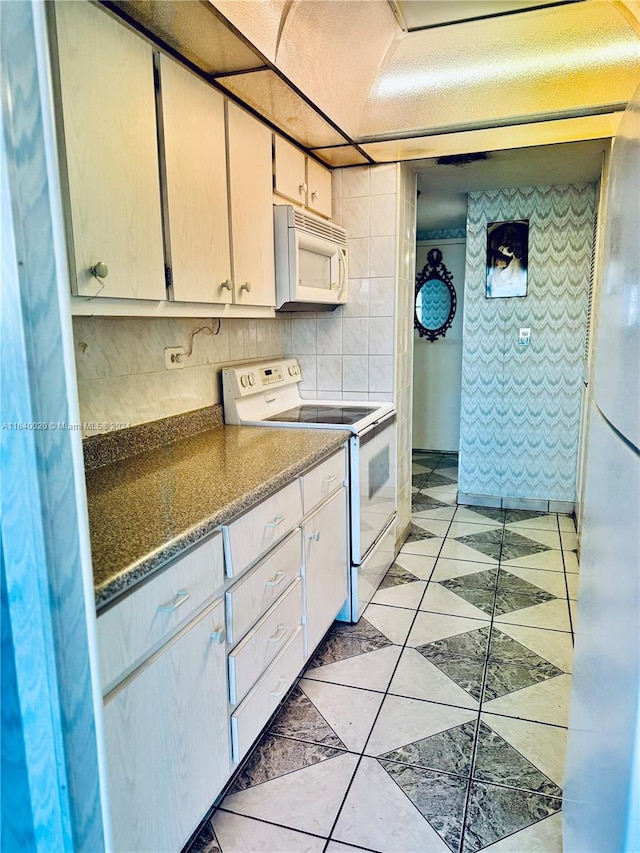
434 269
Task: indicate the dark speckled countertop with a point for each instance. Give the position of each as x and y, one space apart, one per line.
148 508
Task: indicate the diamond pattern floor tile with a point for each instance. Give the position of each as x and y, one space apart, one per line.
300 719
515 545
489 542
395 576
450 751
346 640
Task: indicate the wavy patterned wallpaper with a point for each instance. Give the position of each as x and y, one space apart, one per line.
520 417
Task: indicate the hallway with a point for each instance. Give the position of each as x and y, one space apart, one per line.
438 722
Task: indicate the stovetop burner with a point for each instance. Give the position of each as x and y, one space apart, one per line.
329 414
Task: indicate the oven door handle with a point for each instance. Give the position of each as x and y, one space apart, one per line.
376 427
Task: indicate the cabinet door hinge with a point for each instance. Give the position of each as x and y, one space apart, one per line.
167 277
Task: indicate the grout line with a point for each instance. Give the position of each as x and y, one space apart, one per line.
566 585
271 823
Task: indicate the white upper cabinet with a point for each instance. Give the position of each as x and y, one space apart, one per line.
109 126
318 188
193 156
300 178
251 204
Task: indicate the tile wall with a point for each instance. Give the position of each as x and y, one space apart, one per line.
363 350
120 364
521 406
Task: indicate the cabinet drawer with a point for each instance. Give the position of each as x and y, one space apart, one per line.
324 479
251 657
257 531
262 701
138 624
254 594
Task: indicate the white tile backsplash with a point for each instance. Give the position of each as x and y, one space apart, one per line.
382 256
329 334
355 336
329 369
381 373
384 179
382 297
303 337
358 298
356 216
356 182
383 216
381 334
355 373
359 257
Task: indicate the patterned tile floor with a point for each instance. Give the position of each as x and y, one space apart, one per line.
437 724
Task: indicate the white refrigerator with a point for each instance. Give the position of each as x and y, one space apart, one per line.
602 781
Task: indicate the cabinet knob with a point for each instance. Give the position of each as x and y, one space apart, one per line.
302 188
99 270
315 536
226 285
246 286
218 636
314 195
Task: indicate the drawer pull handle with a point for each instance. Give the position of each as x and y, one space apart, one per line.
276 579
279 634
280 686
182 596
330 478
219 635
276 521
315 536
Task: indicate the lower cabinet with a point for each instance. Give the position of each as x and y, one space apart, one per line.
167 739
325 566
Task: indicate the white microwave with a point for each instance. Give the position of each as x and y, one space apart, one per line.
311 261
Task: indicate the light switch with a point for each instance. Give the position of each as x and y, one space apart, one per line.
524 337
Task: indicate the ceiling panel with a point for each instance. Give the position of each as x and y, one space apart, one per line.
341 155
192 29
270 96
419 14
519 136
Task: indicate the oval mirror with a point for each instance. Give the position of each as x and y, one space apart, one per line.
435 298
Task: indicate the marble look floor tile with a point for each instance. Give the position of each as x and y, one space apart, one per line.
378 814
372 671
418 678
393 622
488 542
429 627
435 526
459 529
503 678
422 502
307 799
439 599
467 673
278 756
516 593
483 578
345 640
299 718
419 530
569 540
417 468
444 513
396 576
546 702
544 746
549 539
447 494
446 568
237 834
406 595
349 712
448 471
571 565
540 521
566 522
497 761
480 514
545 836
449 751
516 545
339 847
469 644
550 560
206 840
431 481
495 812
456 549
572 585
552 582
553 646
573 606
481 597
423 547
534 518
419 565
403 721
438 797
553 615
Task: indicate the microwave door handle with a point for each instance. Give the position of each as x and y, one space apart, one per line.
343 266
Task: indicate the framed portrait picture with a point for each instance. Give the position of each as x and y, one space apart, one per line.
507 258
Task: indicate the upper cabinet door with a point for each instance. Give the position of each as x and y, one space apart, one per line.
290 171
318 188
251 203
109 118
191 118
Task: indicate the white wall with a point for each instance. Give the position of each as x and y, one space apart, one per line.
437 365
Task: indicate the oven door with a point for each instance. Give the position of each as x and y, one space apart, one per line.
374 487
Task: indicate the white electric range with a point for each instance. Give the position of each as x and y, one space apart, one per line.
267 394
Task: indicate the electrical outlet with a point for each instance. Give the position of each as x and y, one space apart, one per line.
174 357
524 337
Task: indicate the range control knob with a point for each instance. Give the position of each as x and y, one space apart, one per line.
244 380
292 370
252 379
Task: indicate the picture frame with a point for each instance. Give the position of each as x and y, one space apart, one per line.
507 259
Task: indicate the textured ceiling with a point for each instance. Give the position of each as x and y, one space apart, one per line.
347 81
